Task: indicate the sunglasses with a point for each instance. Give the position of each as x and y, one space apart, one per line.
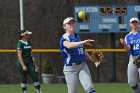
134 22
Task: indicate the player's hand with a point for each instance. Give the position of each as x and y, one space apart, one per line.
24 68
88 42
122 41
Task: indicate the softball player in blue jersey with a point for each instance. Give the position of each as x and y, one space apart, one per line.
75 67
132 45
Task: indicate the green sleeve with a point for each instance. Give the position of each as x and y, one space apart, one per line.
19 46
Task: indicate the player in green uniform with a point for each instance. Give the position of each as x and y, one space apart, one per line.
25 62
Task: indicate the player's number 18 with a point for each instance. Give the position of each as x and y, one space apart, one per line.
81 51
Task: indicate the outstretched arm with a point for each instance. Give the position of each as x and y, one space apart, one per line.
71 45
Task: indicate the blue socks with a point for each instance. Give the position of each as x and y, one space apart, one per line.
92 91
136 88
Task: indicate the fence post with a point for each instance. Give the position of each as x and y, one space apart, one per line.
113 79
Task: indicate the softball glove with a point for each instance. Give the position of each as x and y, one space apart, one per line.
137 61
97 57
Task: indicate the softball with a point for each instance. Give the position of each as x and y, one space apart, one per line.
81 14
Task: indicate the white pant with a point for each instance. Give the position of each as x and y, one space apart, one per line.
132 72
75 73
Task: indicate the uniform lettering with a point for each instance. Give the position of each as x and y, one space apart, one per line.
26 47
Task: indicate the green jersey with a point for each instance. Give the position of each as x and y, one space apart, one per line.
26 48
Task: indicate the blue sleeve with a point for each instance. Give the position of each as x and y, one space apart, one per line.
61 41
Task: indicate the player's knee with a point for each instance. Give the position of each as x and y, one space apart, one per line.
132 82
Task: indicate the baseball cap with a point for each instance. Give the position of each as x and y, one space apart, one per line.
25 32
134 19
67 20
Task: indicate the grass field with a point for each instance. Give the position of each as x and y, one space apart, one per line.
62 88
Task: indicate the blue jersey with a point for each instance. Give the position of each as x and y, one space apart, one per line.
75 54
133 40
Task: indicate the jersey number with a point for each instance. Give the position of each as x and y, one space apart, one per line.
81 51
136 47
